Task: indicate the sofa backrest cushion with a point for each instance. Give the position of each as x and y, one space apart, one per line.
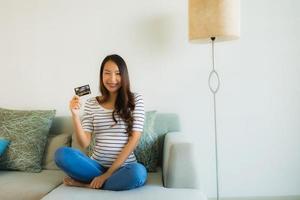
54 142
60 134
164 123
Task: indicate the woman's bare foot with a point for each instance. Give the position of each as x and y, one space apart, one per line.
71 182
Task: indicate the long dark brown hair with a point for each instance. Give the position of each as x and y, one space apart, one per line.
124 104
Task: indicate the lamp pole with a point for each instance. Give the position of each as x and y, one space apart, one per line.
214 91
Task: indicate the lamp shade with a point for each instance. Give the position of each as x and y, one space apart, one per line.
214 18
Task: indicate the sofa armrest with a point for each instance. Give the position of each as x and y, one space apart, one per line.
179 162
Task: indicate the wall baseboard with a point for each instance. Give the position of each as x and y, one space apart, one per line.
260 198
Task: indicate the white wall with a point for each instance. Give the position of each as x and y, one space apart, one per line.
49 47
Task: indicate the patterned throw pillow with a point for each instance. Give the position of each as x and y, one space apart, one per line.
90 148
147 151
4 143
27 132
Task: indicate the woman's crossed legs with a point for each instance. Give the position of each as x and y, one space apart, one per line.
82 170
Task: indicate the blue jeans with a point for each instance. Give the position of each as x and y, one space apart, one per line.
84 169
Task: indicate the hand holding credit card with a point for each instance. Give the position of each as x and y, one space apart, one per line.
82 90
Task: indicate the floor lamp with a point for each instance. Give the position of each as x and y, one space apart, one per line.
213 21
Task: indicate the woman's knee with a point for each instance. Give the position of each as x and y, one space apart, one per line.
61 154
138 173
128 177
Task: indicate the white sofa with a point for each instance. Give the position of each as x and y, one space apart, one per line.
175 179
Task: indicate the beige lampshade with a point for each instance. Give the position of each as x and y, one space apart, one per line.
214 18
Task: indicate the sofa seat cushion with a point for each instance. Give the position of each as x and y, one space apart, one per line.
152 190
145 193
26 185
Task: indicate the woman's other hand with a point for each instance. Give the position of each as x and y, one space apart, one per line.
98 181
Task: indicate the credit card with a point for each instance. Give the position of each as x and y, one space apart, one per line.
82 90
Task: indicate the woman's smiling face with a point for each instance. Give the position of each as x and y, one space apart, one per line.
111 77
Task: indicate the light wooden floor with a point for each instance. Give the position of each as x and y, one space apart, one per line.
260 198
